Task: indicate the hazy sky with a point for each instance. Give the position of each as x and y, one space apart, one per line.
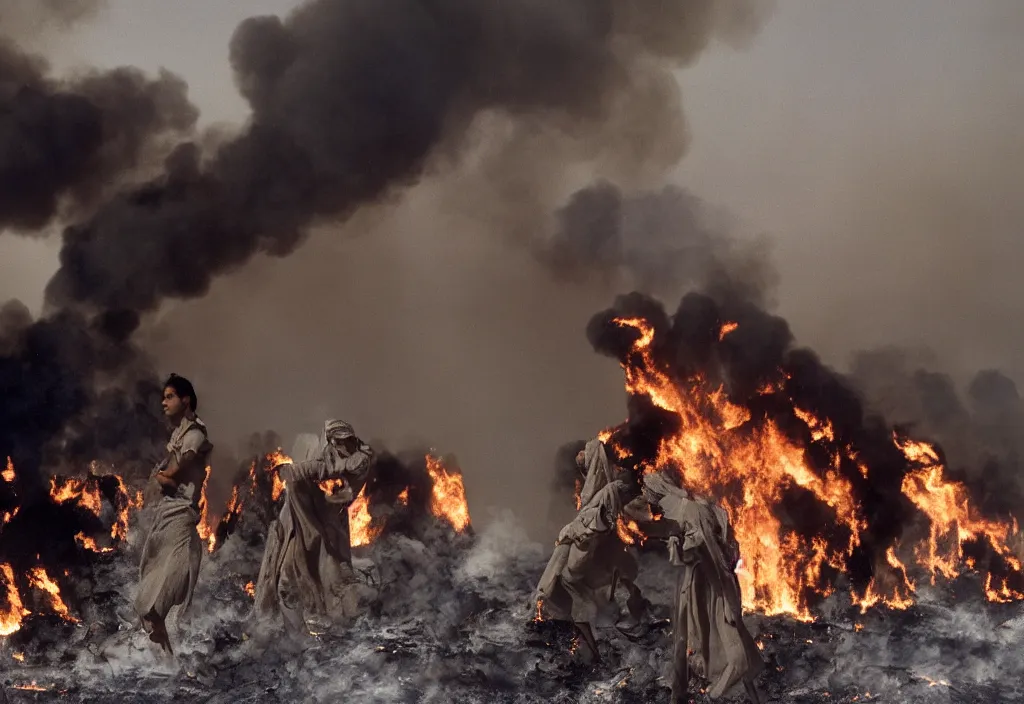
879 144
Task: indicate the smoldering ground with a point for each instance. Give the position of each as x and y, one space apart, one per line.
450 622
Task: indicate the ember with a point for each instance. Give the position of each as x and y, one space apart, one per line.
745 453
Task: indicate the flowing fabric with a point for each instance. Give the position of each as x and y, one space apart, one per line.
707 616
172 552
307 563
576 584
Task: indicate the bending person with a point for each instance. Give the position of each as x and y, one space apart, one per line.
589 559
308 558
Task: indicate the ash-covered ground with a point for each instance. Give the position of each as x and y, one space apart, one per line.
449 618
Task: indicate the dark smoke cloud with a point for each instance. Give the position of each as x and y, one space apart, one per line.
662 242
349 99
64 143
74 389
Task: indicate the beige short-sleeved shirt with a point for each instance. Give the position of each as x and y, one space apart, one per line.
190 436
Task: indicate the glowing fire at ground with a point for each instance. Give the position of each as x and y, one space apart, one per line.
748 468
38 578
86 494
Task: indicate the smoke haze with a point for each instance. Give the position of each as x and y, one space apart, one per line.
878 145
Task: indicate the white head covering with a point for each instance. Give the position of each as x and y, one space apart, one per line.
337 430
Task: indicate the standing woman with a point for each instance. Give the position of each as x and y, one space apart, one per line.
173 551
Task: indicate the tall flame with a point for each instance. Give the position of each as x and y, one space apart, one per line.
448 495
749 471
13 611
360 522
39 579
276 459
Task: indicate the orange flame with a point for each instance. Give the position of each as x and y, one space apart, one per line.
8 473
38 578
361 528
329 486
250 589
11 614
448 495
403 498
274 460
953 521
897 594
86 493
204 528
90 544
231 509
726 329
628 531
782 569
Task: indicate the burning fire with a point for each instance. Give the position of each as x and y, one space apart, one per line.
85 493
748 466
88 494
38 578
11 614
448 495
360 523
629 532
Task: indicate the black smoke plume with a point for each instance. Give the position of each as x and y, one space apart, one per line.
350 98
64 143
662 242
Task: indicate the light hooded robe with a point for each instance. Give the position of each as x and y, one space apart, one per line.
307 562
707 615
173 552
576 584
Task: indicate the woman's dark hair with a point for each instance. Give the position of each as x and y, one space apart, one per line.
182 388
